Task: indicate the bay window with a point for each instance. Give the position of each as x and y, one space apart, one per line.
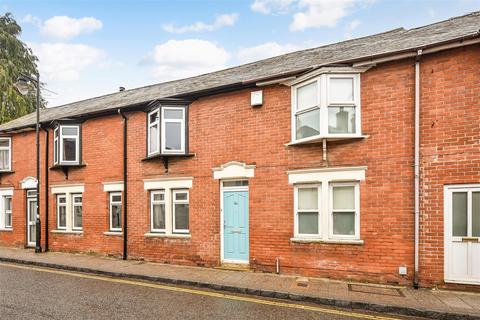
66 144
327 106
167 131
5 154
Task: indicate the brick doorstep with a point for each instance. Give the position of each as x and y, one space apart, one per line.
192 276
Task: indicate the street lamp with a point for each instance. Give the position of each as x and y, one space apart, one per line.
23 86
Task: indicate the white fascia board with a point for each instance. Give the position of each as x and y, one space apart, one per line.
168 183
112 186
327 174
326 70
72 188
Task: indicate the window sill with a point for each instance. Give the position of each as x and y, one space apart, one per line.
7 171
69 165
168 155
79 232
113 233
327 241
316 139
6 229
163 235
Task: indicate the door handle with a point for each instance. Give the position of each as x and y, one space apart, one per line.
470 239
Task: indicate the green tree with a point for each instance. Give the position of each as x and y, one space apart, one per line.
15 59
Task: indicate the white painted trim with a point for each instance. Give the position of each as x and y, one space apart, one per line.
58 196
222 224
326 70
9 149
325 175
5 192
331 241
113 233
356 210
29 183
113 186
158 202
174 202
318 211
77 144
234 170
163 126
29 223
67 231
111 203
152 124
68 188
168 183
163 235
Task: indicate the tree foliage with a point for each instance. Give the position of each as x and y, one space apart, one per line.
16 59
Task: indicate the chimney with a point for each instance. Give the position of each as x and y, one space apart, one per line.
121 89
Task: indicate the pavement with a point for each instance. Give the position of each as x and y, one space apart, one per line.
436 304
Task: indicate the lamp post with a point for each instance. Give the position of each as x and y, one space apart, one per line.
23 86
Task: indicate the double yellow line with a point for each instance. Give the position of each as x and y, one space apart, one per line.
203 293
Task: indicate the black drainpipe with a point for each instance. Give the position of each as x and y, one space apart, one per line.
46 188
125 189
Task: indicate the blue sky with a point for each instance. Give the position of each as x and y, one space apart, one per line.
89 48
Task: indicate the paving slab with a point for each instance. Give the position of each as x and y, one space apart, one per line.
387 299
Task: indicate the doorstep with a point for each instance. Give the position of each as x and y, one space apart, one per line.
234 266
385 299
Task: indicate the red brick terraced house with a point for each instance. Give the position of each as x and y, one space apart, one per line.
358 160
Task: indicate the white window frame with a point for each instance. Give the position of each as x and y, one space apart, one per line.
152 203
297 234
64 196
164 121
111 204
77 144
356 210
175 201
323 100
76 195
152 124
55 145
9 149
5 211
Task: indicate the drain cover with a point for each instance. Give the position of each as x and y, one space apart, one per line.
375 290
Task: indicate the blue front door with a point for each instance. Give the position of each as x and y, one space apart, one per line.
235 224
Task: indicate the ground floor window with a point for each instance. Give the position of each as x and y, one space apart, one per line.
178 215
69 207
116 211
6 219
328 211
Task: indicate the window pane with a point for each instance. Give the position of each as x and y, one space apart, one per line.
307 96
308 198
476 214
70 131
62 216
4 161
158 216
240 183
117 198
62 200
158 197
8 219
153 117
77 199
341 89
69 149
173 136
344 223
116 216
341 119
181 216
4 143
181 196
308 223
77 211
344 198
8 203
153 143
459 214
173 114
308 124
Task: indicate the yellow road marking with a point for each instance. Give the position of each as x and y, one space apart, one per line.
203 293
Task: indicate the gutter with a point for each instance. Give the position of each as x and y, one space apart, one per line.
125 187
417 169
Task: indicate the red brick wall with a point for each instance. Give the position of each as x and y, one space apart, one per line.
224 128
450 135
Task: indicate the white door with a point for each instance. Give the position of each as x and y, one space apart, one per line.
31 218
462 234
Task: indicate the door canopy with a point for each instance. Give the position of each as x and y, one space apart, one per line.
234 170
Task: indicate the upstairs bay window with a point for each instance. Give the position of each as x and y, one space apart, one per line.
167 131
327 106
66 145
5 154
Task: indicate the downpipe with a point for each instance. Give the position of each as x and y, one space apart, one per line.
125 187
417 171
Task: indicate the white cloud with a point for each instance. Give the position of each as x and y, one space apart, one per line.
176 59
309 13
265 50
64 61
351 26
224 20
319 13
64 27
269 6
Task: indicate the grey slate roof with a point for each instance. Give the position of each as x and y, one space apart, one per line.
394 41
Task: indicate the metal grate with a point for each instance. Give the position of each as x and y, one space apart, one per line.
370 289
